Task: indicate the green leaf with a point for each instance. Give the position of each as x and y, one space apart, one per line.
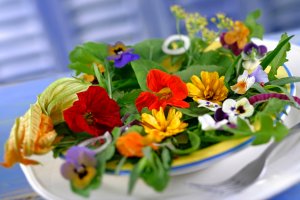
129 97
155 174
81 68
83 57
166 157
259 88
141 68
256 30
242 129
193 110
217 58
277 57
135 128
150 49
100 78
194 140
267 129
274 107
231 70
100 50
135 173
186 74
284 81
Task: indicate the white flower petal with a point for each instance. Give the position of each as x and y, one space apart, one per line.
209 105
229 106
208 123
250 81
243 77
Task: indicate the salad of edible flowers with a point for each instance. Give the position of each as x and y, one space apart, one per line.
156 101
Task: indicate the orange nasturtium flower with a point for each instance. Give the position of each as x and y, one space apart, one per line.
210 87
131 144
31 134
238 35
158 126
165 89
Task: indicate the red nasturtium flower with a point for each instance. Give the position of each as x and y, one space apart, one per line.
165 89
94 112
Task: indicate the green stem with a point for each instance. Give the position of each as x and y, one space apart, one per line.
178 26
108 79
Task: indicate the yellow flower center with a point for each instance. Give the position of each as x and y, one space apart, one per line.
164 93
84 175
89 118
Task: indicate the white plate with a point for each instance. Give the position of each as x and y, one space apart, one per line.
47 181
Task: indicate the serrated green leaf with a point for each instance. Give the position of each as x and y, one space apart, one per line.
256 30
277 57
268 129
274 107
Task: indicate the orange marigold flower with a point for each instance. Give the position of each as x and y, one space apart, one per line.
165 89
210 87
238 35
131 144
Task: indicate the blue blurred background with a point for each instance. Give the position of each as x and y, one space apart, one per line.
36 35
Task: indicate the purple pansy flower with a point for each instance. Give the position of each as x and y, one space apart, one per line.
220 115
261 50
260 75
121 55
80 166
252 55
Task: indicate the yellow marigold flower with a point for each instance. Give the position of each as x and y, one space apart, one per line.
158 127
239 34
210 87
